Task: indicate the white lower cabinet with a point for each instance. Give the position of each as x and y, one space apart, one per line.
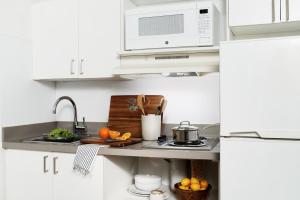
50 176
70 185
25 176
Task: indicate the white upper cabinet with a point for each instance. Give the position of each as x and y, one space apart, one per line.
55 39
293 7
263 16
245 12
99 37
75 39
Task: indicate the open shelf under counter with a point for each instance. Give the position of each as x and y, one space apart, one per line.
166 51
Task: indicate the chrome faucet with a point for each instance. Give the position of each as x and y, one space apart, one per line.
77 128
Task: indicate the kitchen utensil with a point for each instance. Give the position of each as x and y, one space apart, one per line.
125 116
192 195
185 133
164 105
156 195
95 140
151 126
160 106
140 103
147 182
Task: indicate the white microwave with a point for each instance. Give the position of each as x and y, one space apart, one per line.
188 24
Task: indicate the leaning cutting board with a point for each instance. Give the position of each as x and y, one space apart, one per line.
124 115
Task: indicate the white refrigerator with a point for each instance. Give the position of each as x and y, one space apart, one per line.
260 119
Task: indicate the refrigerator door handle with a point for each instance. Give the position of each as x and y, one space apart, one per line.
252 134
268 134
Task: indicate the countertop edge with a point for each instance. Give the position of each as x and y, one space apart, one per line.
213 155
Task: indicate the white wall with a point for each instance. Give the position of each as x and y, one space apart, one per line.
22 101
195 99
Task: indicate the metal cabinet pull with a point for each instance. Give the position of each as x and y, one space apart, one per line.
54 165
81 67
45 164
273 10
287 6
71 67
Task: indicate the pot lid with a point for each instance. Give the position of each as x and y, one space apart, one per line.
185 126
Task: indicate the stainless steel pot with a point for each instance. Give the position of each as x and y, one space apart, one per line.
185 133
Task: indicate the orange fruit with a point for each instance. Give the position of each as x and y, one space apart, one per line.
183 187
104 133
194 180
126 136
114 134
195 186
185 182
203 184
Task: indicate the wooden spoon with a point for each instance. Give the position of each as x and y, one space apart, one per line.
140 103
164 105
158 112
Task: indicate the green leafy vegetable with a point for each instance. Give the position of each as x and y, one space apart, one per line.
60 133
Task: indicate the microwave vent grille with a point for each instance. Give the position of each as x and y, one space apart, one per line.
161 25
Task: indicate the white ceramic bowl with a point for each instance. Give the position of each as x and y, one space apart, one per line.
147 182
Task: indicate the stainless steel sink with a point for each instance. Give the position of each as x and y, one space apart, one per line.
40 139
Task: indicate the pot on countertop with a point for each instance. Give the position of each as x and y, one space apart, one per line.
185 133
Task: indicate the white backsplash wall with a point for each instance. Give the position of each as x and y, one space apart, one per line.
191 98
24 101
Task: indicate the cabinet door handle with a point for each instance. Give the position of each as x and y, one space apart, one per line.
81 67
71 66
273 10
287 6
45 164
54 165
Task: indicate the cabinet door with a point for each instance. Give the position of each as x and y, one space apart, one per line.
68 184
55 33
294 8
26 177
244 12
99 37
259 169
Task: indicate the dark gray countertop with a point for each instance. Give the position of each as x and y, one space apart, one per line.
136 150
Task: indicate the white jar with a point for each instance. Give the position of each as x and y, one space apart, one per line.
151 127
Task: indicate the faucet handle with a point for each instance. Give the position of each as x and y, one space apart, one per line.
82 125
83 122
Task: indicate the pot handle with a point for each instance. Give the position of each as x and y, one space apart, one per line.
184 123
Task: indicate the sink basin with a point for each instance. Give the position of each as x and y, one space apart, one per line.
41 139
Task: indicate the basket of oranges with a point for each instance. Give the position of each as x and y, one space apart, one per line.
192 189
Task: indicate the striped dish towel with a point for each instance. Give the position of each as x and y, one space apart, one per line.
85 157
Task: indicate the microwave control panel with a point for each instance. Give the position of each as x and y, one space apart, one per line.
204 23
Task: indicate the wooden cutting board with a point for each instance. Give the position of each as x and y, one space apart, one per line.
124 115
95 140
